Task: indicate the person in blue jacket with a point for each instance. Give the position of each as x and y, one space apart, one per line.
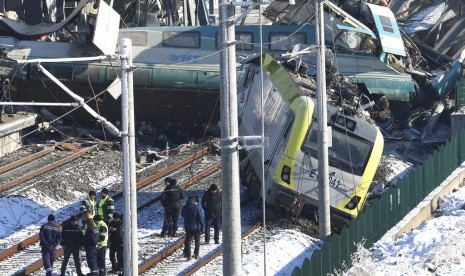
91 239
193 225
50 238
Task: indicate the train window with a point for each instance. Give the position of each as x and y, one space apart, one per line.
244 41
181 39
348 152
386 23
138 38
284 41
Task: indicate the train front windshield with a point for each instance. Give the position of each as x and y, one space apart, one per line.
347 152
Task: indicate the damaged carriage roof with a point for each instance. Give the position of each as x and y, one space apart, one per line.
22 29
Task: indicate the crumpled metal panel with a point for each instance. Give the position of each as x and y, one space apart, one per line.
398 89
42 28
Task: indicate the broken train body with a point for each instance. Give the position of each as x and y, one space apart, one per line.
291 154
177 67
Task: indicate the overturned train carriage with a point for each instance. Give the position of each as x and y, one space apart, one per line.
291 156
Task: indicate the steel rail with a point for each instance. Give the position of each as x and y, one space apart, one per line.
26 160
47 168
39 263
33 239
165 253
202 262
167 171
189 182
218 251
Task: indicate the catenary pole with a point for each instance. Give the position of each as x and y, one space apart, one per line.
232 262
324 225
132 165
129 168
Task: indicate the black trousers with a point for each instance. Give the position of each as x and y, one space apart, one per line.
215 222
77 262
170 224
101 256
187 242
116 256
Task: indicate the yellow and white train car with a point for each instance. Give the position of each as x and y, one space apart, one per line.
291 152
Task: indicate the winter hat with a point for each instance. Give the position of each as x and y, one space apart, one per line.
173 181
213 187
51 217
105 191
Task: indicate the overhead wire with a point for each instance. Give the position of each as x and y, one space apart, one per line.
262 148
354 185
173 64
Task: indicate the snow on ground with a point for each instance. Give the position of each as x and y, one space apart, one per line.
437 247
285 249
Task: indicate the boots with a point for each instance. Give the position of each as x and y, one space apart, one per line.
113 270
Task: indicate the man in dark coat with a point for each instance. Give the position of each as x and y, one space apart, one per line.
171 201
72 238
91 239
116 243
193 225
211 203
50 238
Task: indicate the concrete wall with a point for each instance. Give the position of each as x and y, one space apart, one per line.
10 143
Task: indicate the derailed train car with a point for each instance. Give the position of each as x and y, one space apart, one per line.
291 156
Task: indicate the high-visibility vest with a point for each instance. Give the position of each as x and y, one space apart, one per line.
91 203
104 234
101 202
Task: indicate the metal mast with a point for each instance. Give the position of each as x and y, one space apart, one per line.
131 262
324 224
232 261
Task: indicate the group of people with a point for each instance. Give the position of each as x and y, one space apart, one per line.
199 216
101 227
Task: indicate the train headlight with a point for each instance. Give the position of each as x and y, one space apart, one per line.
346 122
351 125
286 174
352 204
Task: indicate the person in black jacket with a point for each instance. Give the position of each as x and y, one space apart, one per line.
171 201
72 238
91 239
116 243
211 203
193 224
50 238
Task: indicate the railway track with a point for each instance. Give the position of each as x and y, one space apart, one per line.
32 166
28 249
218 251
170 259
